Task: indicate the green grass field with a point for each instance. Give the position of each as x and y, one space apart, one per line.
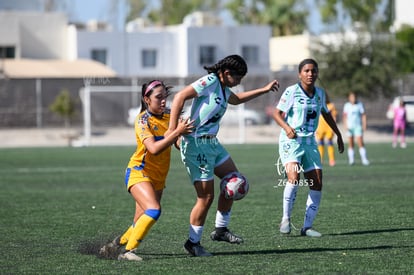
49 224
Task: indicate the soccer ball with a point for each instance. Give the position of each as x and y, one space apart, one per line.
234 186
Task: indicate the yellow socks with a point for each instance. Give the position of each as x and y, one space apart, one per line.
321 149
142 227
331 153
125 237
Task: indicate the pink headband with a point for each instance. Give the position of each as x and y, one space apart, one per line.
152 85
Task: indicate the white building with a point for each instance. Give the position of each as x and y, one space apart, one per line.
176 51
33 35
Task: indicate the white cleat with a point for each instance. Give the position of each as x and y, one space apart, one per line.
129 256
285 227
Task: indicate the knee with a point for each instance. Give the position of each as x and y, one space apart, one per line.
206 200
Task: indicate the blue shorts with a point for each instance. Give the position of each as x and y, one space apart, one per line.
307 155
355 131
201 155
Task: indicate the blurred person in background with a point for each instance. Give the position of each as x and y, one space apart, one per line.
355 121
399 123
324 134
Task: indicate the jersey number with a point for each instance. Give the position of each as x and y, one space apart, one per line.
201 158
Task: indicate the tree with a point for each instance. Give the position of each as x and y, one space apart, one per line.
368 13
64 106
170 12
136 9
405 51
284 16
366 67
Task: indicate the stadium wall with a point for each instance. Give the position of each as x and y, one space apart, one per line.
24 103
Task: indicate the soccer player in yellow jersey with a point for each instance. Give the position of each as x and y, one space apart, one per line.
148 167
325 133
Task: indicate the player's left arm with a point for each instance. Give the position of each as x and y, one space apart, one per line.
364 121
331 122
155 147
243 97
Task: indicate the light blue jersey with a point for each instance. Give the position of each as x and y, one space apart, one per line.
354 114
302 112
209 106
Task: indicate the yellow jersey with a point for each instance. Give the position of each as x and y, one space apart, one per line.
155 167
323 126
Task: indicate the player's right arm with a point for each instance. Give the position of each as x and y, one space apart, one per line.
284 105
177 106
278 117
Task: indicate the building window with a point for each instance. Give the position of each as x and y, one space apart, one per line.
207 55
99 55
251 54
7 52
149 58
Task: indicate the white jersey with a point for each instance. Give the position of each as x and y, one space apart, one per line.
354 114
302 112
209 106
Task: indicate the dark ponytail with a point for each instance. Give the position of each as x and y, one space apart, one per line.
233 63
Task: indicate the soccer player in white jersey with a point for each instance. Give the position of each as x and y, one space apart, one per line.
298 114
201 152
355 120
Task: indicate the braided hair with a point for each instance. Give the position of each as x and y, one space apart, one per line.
234 63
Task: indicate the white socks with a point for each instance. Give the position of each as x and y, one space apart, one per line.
312 206
351 156
222 218
289 196
196 231
362 153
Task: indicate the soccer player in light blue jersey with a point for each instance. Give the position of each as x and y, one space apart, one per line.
355 120
298 114
201 152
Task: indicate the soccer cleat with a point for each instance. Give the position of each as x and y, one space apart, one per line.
285 227
310 232
110 250
196 250
365 162
225 236
331 163
129 256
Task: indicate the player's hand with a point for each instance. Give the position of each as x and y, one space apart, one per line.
291 133
340 145
185 126
273 86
